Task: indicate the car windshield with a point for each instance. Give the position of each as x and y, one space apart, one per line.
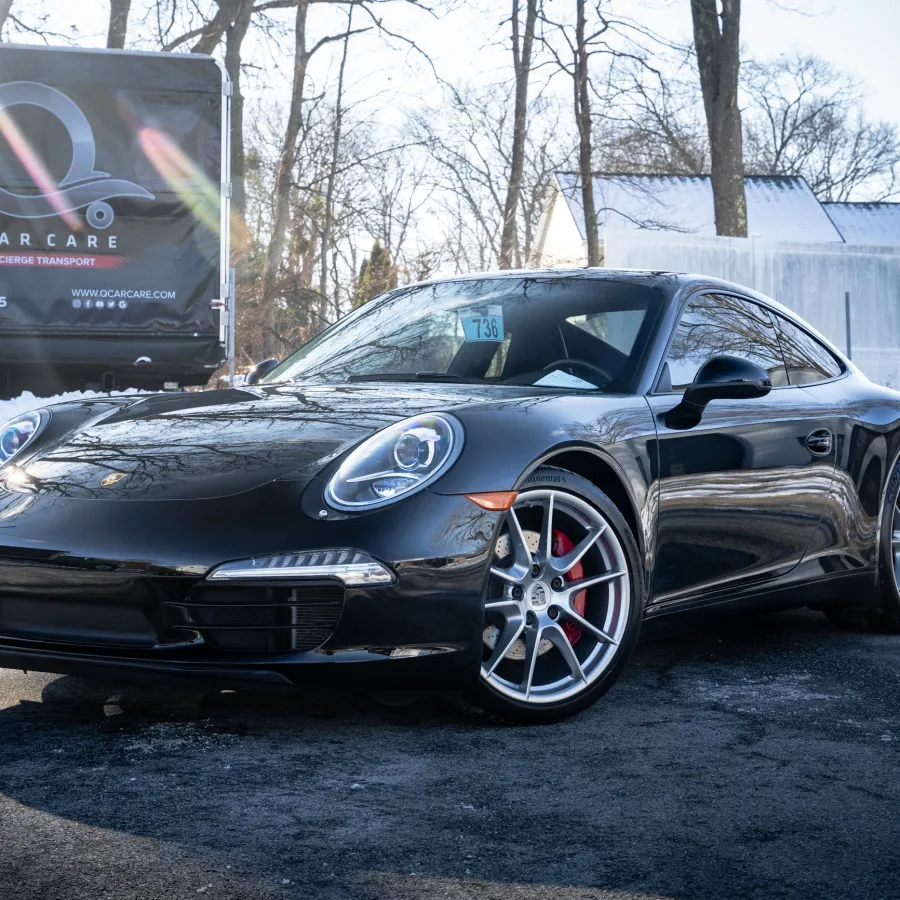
583 333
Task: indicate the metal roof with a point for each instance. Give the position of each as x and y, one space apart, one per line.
875 224
778 207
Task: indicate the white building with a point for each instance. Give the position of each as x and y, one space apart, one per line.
779 208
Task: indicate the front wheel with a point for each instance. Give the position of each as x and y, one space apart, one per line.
564 601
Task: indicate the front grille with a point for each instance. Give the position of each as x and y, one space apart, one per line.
253 619
240 617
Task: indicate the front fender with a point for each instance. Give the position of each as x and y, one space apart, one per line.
504 443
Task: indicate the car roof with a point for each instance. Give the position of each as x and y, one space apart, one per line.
600 272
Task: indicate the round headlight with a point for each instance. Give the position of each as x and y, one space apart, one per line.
17 433
395 462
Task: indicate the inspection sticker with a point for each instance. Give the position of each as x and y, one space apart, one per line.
485 324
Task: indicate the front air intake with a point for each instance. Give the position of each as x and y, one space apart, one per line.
314 615
254 618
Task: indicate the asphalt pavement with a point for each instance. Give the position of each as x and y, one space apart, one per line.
755 758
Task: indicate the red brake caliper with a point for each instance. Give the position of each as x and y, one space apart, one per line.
561 546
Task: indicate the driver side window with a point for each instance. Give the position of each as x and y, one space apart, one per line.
719 324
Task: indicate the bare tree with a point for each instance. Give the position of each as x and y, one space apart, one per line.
717 43
212 33
287 156
118 24
205 25
580 79
652 125
805 118
522 46
466 139
32 19
5 8
400 191
571 47
234 39
283 176
331 178
469 139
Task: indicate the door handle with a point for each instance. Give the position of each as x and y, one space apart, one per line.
819 442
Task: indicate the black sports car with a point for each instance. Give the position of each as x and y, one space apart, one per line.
482 484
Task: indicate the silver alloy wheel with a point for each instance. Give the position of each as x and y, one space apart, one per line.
895 542
533 594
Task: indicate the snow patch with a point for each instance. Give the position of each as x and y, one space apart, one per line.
167 737
784 689
27 401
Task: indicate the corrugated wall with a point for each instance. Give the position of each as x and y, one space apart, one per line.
811 279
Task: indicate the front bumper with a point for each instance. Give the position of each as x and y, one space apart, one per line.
118 588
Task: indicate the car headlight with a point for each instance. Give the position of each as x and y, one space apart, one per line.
395 462
17 433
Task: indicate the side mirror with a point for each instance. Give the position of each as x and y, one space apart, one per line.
260 370
719 378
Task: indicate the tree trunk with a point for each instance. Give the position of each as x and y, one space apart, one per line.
234 37
212 33
583 121
328 211
718 60
5 7
118 24
522 51
283 175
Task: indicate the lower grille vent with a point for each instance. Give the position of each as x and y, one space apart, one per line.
314 618
252 619
242 616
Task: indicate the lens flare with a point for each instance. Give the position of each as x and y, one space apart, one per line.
183 176
35 167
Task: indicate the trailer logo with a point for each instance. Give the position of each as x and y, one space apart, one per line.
82 185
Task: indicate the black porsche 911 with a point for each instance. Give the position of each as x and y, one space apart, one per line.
482 484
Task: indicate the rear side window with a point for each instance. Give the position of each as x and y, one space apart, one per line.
808 362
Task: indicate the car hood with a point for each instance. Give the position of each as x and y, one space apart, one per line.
219 443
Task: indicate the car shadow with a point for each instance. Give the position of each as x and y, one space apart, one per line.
727 761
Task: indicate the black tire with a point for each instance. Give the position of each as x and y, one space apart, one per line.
482 698
882 617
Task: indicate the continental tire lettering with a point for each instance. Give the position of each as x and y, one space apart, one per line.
535 478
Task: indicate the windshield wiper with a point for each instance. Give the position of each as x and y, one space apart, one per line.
414 376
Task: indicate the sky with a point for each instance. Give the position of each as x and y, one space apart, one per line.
858 36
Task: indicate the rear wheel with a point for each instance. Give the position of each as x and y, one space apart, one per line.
564 601
884 616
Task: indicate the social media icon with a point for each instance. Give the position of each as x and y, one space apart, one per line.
88 304
76 304
123 304
110 304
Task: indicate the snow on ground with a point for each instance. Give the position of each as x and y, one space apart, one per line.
27 401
